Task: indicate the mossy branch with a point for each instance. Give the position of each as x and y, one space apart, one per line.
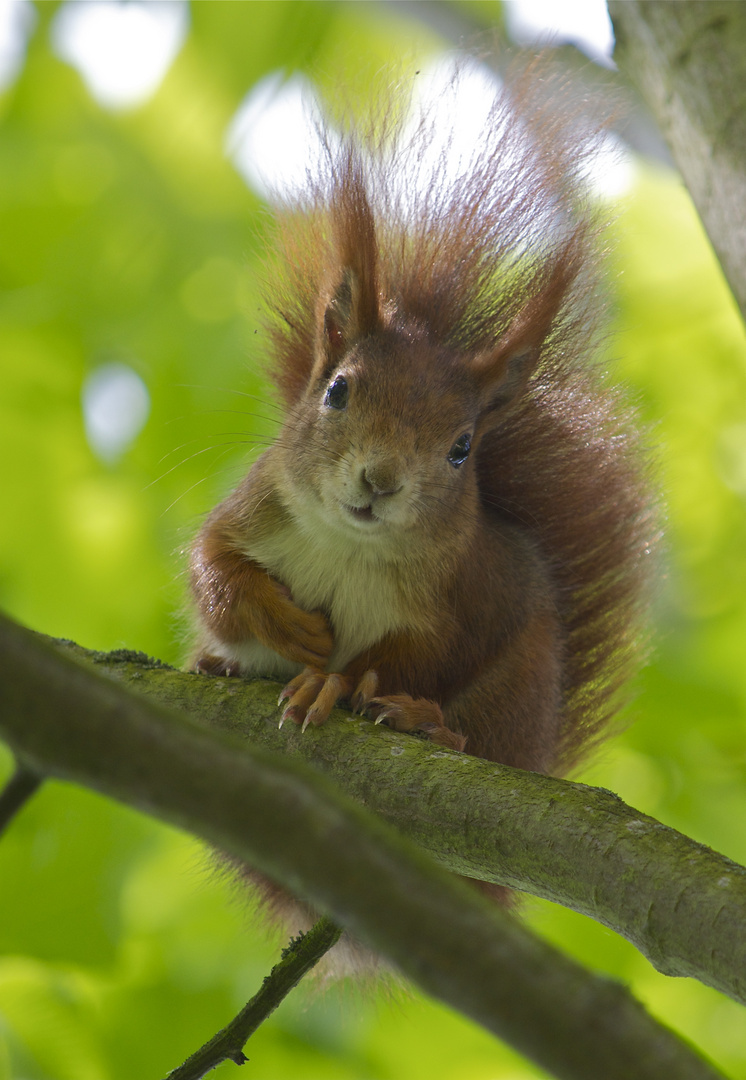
680 903
66 720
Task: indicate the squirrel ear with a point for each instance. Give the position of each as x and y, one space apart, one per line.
339 316
503 371
349 314
504 377
353 310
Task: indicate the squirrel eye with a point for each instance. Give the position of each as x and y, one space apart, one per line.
336 395
459 452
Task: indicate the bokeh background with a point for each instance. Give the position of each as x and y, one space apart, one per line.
131 236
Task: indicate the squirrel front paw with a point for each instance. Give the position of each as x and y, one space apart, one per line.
209 664
304 637
311 696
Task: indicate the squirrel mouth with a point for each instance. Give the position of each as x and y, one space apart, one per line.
361 513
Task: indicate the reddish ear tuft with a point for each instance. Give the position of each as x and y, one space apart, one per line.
353 310
340 317
349 315
503 371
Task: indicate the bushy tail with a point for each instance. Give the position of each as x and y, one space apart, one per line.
570 466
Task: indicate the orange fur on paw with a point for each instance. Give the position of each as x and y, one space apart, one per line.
404 713
311 696
301 636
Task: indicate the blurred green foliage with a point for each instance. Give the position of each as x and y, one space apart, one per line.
128 236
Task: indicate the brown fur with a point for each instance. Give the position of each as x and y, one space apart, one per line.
492 606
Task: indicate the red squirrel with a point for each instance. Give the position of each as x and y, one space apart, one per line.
450 532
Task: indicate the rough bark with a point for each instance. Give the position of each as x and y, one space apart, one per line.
64 719
688 61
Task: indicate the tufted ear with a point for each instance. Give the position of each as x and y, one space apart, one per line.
350 313
503 371
350 309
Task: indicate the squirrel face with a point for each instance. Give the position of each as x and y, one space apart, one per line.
382 442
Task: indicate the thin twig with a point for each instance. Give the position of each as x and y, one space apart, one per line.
22 785
298 958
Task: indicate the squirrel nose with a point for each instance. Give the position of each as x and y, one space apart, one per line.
381 479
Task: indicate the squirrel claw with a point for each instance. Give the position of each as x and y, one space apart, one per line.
313 694
364 692
290 713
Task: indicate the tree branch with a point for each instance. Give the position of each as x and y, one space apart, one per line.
297 959
689 63
23 783
296 827
680 903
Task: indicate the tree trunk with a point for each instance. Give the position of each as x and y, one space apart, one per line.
688 61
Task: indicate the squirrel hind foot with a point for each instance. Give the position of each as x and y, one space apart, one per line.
207 664
416 716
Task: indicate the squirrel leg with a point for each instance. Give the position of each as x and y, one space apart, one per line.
404 713
312 695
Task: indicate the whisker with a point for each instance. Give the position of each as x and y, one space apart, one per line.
197 453
234 390
196 484
240 436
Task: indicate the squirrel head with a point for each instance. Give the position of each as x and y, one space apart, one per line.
384 440
414 313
